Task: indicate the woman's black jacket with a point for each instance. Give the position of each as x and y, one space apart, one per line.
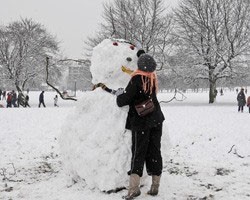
133 95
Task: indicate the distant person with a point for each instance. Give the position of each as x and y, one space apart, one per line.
248 103
55 101
26 102
245 90
28 90
0 93
215 93
241 98
221 91
9 96
14 98
237 90
19 99
41 99
4 95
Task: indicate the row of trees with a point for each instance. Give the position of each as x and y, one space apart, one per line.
202 42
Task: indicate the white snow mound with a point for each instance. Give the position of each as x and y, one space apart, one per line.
95 145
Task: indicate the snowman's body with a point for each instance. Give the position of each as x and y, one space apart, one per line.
94 143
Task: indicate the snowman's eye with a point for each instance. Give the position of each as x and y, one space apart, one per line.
132 47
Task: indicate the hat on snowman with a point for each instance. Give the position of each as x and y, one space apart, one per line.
146 63
140 52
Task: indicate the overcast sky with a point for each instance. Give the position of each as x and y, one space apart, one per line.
71 21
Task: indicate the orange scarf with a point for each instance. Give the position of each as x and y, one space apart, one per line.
149 80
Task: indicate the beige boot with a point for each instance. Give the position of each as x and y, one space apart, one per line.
134 187
155 185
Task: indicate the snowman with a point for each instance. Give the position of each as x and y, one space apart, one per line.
95 145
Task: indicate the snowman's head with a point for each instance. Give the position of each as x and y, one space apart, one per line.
108 58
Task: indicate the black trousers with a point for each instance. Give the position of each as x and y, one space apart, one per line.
41 102
240 108
146 148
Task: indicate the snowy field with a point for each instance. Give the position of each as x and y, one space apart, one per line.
209 157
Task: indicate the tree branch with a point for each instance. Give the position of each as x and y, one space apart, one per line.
175 98
47 81
235 152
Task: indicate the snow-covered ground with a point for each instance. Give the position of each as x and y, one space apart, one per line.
209 156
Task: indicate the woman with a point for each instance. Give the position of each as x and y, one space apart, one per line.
241 98
147 130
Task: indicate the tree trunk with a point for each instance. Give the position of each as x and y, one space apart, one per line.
212 93
21 98
17 87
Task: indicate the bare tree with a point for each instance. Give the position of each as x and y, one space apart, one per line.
140 22
214 36
23 46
